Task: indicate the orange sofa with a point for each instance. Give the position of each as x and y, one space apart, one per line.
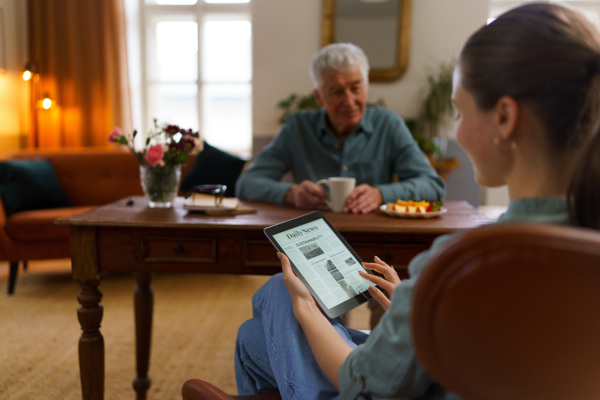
88 177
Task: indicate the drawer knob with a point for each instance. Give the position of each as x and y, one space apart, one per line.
388 257
178 249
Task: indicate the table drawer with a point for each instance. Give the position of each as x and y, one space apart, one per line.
161 249
259 254
262 254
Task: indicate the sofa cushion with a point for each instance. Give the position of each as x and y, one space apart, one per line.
36 225
30 185
214 166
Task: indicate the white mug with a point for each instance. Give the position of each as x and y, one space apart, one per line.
339 189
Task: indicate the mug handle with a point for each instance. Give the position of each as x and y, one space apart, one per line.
325 182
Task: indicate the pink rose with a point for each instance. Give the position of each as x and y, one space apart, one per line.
154 155
115 135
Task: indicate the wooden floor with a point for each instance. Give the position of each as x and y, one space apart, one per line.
61 265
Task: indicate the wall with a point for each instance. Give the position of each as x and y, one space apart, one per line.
14 97
286 34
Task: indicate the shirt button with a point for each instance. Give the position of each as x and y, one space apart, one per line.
345 168
336 146
357 381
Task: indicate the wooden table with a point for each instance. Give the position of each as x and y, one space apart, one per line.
127 236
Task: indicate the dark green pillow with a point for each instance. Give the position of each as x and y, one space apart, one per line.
214 167
30 185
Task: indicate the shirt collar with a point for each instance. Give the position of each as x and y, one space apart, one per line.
365 125
538 209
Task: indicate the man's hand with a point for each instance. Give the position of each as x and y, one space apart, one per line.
306 195
363 199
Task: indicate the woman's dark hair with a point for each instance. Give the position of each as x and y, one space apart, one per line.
548 57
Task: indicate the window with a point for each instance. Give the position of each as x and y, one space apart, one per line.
198 69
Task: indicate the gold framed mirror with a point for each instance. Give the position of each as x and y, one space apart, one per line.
380 27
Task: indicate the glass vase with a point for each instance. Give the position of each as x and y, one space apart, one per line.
160 184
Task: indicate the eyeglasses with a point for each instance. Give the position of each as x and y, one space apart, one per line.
216 190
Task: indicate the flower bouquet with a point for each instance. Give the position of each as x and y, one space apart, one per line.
166 149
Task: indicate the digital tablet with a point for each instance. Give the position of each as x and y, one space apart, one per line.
323 260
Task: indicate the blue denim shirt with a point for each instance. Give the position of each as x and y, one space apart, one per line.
380 146
386 365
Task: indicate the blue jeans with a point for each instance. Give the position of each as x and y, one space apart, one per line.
272 353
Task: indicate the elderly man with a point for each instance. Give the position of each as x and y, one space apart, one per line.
344 138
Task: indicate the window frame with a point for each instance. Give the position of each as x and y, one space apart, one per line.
201 12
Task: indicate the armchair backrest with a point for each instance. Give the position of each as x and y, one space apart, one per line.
512 311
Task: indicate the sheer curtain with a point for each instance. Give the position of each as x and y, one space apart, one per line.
80 49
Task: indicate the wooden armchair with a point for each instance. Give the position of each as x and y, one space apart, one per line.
196 389
511 312
508 311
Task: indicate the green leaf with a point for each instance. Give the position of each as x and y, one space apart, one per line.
294 103
437 103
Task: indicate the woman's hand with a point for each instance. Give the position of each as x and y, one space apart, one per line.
298 292
328 347
389 282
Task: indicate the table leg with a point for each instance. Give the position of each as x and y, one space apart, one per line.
91 343
144 303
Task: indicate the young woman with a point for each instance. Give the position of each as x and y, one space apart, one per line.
527 97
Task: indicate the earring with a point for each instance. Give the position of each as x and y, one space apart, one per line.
513 144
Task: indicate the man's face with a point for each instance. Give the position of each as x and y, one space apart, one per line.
343 94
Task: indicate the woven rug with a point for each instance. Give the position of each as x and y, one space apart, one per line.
196 318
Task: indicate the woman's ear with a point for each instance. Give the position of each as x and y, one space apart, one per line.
506 116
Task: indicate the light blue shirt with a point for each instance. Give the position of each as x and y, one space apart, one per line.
380 146
386 365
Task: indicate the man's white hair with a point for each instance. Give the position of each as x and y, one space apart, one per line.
338 57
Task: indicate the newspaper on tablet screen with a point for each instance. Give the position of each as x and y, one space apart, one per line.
324 261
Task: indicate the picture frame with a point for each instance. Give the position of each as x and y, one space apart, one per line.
348 20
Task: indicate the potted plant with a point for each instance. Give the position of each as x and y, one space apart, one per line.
295 103
436 110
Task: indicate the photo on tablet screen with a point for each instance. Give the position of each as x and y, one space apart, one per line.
323 261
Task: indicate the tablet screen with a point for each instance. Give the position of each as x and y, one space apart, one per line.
323 260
